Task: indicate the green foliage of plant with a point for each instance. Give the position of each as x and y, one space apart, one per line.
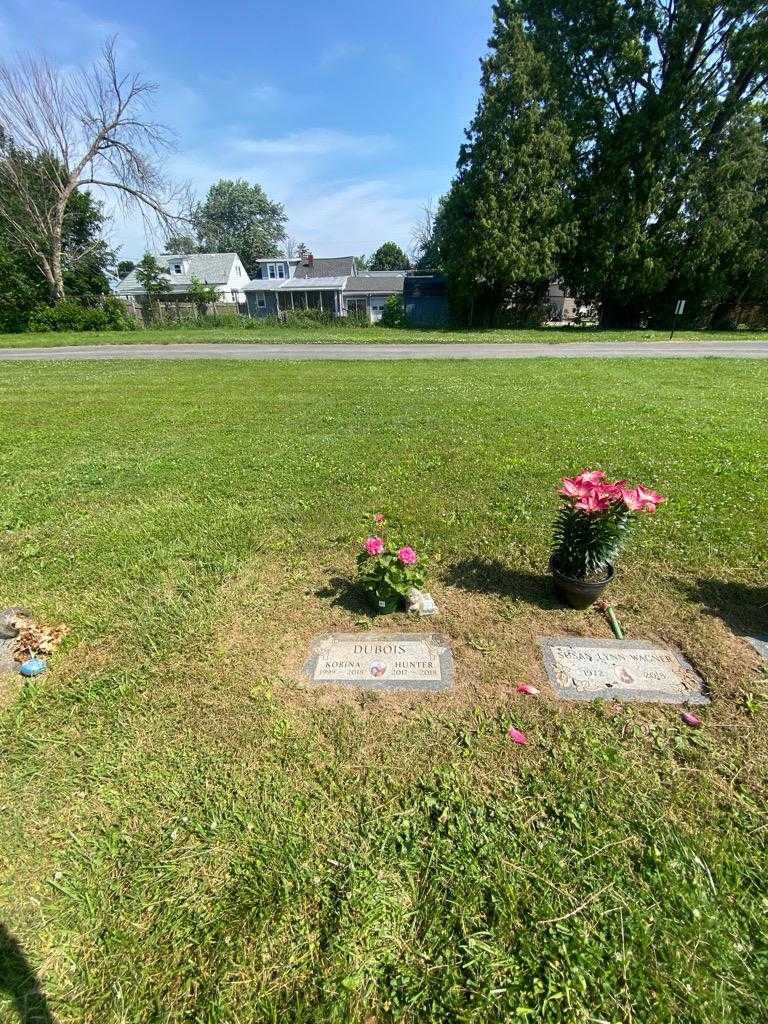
586 544
124 267
239 217
181 245
203 295
70 315
387 577
505 220
393 314
152 278
389 256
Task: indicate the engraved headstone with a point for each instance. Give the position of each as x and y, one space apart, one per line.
624 670
381 661
760 643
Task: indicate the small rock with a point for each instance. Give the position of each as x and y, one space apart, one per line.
421 603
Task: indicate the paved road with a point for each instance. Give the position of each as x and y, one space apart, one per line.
448 350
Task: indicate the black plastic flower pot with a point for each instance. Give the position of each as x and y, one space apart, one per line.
575 592
385 604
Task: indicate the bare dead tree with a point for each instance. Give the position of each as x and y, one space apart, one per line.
423 232
65 130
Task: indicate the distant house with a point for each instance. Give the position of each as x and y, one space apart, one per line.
333 285
223 270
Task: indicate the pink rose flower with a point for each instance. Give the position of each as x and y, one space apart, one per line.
407 556
374 546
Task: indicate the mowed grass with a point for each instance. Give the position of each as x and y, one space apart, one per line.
191 835
340 333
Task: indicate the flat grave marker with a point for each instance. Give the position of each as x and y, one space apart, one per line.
381 661
760 643
582 668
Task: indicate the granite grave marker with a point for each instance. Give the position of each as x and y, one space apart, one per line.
624 670
381 661
760 643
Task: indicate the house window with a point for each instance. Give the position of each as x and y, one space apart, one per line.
271 269
261 300
280 270
177 268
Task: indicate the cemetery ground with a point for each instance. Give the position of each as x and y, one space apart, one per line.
190 834
339 332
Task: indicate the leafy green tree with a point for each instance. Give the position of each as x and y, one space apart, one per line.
389 256
124 267
654 94
504 223
152 278
363 262
86 262
238 217
181 245
203 295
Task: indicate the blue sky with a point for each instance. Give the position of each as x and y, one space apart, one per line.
349 113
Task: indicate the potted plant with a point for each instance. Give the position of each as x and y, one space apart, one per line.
593 521
388 571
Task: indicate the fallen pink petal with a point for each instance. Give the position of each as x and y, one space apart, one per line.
693 720
527 688
516 736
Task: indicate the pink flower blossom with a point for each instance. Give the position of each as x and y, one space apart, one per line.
374 546
516 736
407 556
590 476
573 487
378 519
649 498
532 691
593 502
640 498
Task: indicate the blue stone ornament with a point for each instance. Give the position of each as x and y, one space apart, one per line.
32 667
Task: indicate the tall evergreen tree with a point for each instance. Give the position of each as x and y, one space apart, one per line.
505 220
656 94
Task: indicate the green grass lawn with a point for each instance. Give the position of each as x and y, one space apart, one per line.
191 835
340 333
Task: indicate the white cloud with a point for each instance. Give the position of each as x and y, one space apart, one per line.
313 143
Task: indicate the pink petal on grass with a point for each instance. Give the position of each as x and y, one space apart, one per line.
532 691
516 736
693 720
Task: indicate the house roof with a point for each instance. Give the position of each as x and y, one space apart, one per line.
337 266
295 284
376 283
208 267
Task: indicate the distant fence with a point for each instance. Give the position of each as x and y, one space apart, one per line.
180 312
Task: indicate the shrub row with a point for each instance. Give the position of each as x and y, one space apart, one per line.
68 315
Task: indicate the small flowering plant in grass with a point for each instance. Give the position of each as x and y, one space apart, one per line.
593 522
388 570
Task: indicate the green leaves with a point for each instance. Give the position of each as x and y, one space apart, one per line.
586 543
239 217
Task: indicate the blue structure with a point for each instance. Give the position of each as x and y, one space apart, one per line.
425 299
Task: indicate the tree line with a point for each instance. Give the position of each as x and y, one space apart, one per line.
621 147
